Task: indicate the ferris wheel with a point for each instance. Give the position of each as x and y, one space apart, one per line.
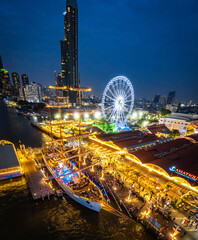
118 100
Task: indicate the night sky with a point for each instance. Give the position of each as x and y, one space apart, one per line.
152 42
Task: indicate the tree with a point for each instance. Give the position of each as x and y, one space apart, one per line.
168 186
23 102
152 194
164 112
190 130
138 175
175 133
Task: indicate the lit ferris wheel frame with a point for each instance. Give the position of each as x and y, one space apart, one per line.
118 100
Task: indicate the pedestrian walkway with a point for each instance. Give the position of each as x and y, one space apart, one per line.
35 178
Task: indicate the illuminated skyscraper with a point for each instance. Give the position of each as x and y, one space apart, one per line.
33 92
25 80
69 48
16 83
5 84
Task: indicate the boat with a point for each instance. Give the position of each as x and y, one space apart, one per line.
67 174
72 181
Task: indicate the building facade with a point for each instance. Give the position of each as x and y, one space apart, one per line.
16 83
25 79
171 97
179 121
159 102
5 84
31 93
69 49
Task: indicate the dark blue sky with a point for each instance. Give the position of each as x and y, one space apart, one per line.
152 42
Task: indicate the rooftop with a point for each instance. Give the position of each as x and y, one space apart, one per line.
72 3
150 154
161 128
8 158
183 116
180 153
128 139
194 136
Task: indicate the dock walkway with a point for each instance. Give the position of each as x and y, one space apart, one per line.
35 177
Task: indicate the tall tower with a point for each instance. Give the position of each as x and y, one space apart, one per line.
69 49
1 64
5 84
171 97
16 83
25 80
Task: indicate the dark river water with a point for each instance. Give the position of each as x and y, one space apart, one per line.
57 218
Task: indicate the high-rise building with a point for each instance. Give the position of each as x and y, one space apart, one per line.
159 102
5 84
171 97
69 49
32 92
59 80
162 101
156 98
25 80
1 64
16 83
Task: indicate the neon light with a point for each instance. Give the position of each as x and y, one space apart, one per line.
182 173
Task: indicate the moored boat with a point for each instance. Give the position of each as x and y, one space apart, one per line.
80 188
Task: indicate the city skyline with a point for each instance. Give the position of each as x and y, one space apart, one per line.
156 50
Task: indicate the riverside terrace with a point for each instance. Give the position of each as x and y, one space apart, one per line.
148 192
152 155
176 158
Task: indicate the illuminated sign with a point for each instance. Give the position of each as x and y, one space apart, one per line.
183 173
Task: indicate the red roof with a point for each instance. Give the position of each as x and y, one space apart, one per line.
155 128
128 139
194 136
135 140
181 153
150 154
119 135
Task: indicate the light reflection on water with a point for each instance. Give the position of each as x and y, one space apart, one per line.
57 218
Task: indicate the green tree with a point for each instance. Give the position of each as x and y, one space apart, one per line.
175 133
138 175
168 186
152 192
164 112
190 130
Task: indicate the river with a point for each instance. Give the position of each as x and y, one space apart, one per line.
57 218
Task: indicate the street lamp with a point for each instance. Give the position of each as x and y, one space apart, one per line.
97 115
86 115
57 116
76 115
134 115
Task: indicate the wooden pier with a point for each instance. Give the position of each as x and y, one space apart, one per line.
35 178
